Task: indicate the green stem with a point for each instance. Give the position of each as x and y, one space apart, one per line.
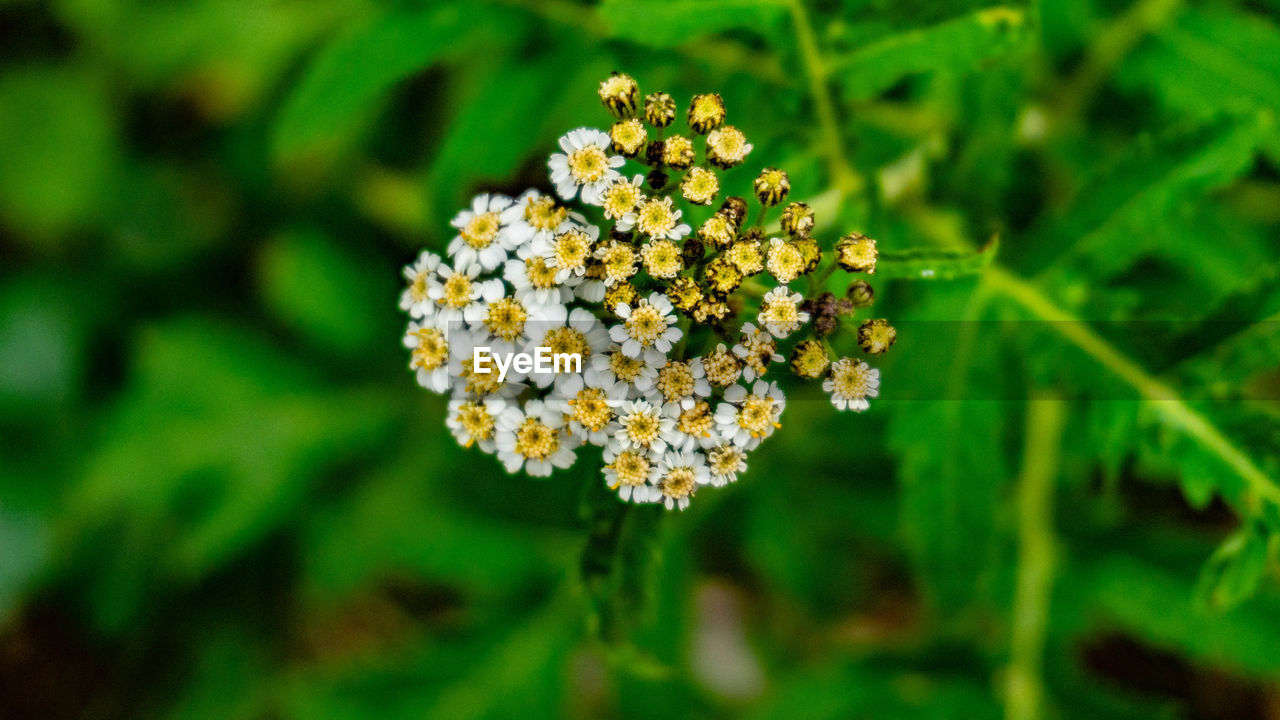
843 176
1024 690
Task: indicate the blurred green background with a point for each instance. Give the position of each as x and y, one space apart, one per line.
222 495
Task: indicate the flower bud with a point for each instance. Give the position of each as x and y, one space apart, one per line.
684 293
771 186
700 186
692 251
718 231
656 178
824 325
659 109
706 113
735 208
619 92
727 147
860 294
876 336
722 276
856 252
809 359
628 137
797 219
623 292
678 152
810 251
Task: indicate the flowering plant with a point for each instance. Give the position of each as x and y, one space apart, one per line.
675 332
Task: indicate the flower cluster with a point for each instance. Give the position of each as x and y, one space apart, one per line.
678 332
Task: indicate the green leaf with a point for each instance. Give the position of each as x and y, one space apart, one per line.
955 45
326 292
1233 572
927 264
666 23
1151 178
347 80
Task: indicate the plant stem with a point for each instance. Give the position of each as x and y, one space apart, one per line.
843 176
1024 689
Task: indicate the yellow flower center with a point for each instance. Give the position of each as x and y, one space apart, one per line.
746 257
481 231
572 249
642 428
541 275
620 199
728 143
567 340
506 318
656 218
535 440
851 378
700 186
725 460
418 288
675 380
628 135
590 409
479 383
432 350
631 468
457 290
679 482
756 415
785 262
662 258
697 420
646 324
475 420
618 262
588 164
626 369
782 313
543 214
723 367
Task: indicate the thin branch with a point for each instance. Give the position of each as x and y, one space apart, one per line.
843 176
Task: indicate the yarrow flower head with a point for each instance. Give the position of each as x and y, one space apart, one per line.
596 316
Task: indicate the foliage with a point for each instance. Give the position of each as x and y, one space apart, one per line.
220 495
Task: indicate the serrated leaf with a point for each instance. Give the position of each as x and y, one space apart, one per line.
955 45
665 23
1152 177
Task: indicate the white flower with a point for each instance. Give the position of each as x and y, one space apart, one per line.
851 382
536 282
455 292
746 418
614 368
480 238
474 422
780 312
584 165
725 461
430 356
566 333
630 471
621 199
534 217
679 475
694 424
658 220
569 250
677 380
647 328
414 299
470 382
509 317
590 409
757 349
532 438
642 425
